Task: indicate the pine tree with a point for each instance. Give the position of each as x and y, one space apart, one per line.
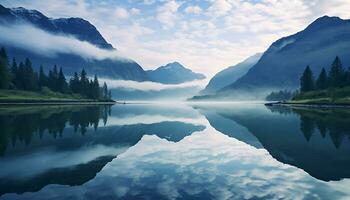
307 81
322 80
20 76
25 78
96 88
90 90
54 78
109 95
5 76
336 74
74 83
31 79
14 72
105 91
62 85
51 80
14 67
83 83
42 77
348 77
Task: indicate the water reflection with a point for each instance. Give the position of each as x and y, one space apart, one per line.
68 145
230 151
315 140
20 124
330 123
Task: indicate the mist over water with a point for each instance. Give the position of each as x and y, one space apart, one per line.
173 150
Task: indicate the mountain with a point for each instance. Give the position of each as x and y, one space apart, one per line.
230 75
77 27
282 64
173 73
70 27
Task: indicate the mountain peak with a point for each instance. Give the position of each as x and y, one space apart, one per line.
328 18
282 64
75 20
26 12
76 27
325 22
175 64
173 73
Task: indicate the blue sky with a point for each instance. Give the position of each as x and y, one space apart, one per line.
204 35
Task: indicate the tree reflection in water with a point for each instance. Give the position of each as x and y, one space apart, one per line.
21 123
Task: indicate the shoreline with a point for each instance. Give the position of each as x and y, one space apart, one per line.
309 105
56 102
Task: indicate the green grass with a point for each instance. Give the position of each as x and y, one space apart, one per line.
339 96
44 95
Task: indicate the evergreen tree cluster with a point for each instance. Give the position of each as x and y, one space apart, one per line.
282 95
22 77
337 77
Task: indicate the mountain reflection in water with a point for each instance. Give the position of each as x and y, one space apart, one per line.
143 151
302 137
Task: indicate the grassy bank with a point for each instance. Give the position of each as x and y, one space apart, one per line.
336 96
43 96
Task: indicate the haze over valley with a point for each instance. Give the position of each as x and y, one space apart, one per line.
174 99
74 43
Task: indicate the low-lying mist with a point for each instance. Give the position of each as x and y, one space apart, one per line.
149 86
28 37
150 91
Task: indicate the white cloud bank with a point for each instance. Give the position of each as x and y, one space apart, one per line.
206 35
38 41
150 86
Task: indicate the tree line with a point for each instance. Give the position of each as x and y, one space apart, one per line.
337 77
22 77
282 95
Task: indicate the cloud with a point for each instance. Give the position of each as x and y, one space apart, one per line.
121 13
206 163
219 7
149 2
148 119
150 86
50 45
233 30
17 168
135 11
193 9
166 13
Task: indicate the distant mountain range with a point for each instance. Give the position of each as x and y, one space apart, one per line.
83 30
278 68
282 64
173 73
72 27
230 75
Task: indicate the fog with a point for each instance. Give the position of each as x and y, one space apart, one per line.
36 40
150 86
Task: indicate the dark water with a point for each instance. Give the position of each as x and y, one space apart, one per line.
174 151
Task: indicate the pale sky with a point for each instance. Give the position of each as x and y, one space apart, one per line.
204 35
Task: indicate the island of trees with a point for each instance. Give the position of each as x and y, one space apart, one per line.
332 87
19 79
337 77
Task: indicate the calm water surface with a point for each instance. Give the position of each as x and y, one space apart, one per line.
177 151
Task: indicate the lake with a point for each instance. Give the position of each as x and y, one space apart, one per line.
174 151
